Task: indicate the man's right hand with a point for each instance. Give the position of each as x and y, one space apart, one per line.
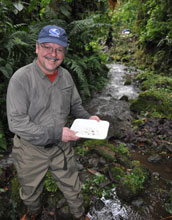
68 135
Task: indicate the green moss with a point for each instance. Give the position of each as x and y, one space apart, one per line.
109 151
138 122
102 147
81 151
135 163
136 179
153 101
117 173
143 59
156 96
150 79
93 143
15 185
133 183
122 150
108 155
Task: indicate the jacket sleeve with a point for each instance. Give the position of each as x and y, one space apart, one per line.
19 120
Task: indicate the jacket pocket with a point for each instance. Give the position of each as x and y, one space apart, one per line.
66 99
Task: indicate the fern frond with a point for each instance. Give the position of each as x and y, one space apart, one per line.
75 66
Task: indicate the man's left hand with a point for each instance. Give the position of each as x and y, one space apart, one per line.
94 117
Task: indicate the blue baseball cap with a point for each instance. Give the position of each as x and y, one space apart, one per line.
53 34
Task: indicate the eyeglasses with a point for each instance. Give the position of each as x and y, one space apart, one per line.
49 49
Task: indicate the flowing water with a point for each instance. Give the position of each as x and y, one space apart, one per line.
116 87
114 209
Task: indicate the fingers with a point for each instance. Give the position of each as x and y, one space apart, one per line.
68 135
94 117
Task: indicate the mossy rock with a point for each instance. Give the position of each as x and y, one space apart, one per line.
153 100
132 184
102 147
117 173
150 79
109 151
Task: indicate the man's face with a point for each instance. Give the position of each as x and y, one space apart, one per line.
49 56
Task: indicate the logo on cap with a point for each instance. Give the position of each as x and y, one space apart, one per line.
54 32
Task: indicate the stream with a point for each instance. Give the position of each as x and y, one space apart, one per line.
117 93
117 87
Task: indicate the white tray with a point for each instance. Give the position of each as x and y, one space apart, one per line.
93 129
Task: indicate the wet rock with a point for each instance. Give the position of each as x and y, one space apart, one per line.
80 166
116 112
155 174
126 192
125 98
93 162
64 214
169 148
6 162
138 202
99 205
156 158
102 161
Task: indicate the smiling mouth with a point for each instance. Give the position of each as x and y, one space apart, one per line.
52 59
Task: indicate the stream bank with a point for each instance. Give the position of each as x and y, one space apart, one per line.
149 142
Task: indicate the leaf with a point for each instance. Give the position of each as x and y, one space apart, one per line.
65 10
18 6
5 72
2 190
3 143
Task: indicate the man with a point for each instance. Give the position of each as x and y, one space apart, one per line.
40 97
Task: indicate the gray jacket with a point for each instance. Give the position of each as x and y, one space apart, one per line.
37 109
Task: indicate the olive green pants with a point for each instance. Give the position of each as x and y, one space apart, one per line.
33 162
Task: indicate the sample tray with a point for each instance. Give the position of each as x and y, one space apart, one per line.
87 128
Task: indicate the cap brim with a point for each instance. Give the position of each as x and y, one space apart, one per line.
52 40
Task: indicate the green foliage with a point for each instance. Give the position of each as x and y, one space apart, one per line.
50 184
153 101
135 163
125 15
135 180
138 122
86 65
81 150
92 186
117 173
122 150
159 21
151 80
132 183
93 143
155 33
